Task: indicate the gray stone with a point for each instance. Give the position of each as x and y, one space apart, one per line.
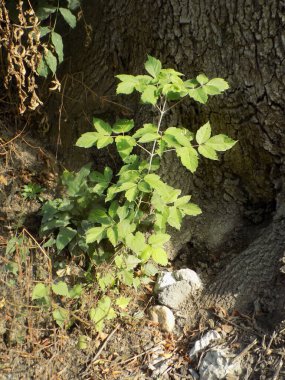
204 342
163 316
190 276
218 364
174 295
164 279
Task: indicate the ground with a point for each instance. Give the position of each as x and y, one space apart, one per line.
32 346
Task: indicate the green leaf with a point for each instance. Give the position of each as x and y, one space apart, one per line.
153 66
129 176
131 194
161 220
219 83
119 261
150 95
45 30
82 343
204 133
125 145
150 270
126 277
44 12
208 152
76 291
102 127
60 288
198 94
159 256
40 291
68 17
153 180
113 209
64 237
104 141
112 235
43 68
175 217
123 302
146 254
123 212
136 242
123 126
167 193
158 239
12 267
87 140
202 79
181 135
190 209
148 137
58 45
188 157
99 215
61 316
220 143
147 128
51 61
125 228
127 85
182 200
101 312
131 262
95 234
144 187
73 4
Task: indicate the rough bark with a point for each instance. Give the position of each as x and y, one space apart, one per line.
242 41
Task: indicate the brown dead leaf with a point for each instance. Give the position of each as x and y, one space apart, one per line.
3 180
227 328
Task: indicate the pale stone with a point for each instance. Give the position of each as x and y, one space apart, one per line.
218 364
190 276
204 342
164 316
164 279
174 295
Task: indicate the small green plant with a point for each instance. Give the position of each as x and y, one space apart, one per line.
48 13
32 191
123 218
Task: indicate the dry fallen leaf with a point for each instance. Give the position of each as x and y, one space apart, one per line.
2 303
3 180
227 328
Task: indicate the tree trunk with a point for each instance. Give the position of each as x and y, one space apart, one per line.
241 41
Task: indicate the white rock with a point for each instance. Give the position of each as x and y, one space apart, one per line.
190 276
175 295
164 279
217 364
204 342
163 316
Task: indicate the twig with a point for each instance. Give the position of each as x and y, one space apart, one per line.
102 347
244 328
278 369
245 351
142 354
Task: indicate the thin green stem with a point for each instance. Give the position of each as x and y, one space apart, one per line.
144 149
162 112
152 153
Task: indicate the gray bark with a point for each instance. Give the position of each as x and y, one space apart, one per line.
241 41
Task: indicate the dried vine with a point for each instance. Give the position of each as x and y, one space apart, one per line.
20 53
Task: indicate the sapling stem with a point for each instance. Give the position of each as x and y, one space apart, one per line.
162 112
152 154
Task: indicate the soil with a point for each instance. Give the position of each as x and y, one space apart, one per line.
32 346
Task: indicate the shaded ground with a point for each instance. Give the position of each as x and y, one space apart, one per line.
32 346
